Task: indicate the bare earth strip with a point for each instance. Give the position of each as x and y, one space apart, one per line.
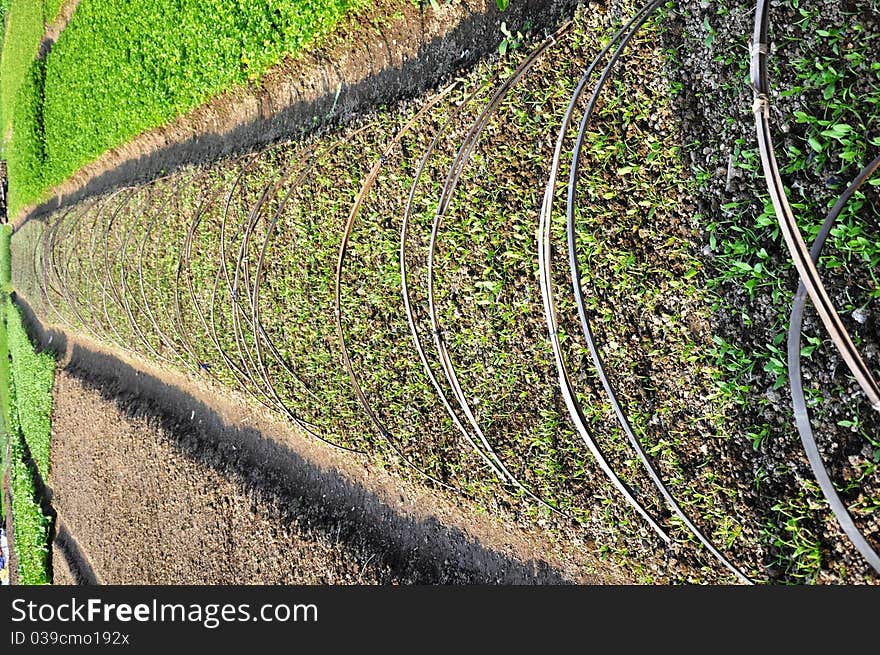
164 481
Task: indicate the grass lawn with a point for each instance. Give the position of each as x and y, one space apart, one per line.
120 68
26 397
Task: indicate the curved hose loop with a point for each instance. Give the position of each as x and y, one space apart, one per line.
305 161
97 328
801 413
36 269
545 274
182 334
51 270
123 212
108 288
794 240
176 336
574 267
455 171
155 205
145 303
46 287
60 264
241 377
343 247
407 301
183 267
209 327
241 287
244 362
234 368
121 291
251 356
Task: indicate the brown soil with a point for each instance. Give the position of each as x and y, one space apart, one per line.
9 526
164 481
396 50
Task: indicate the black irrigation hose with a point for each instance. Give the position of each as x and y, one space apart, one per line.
238 372
240 369
343 247
574 267
123 279
305 163
810 283
144 300
545 273
801 413
256 367
453 177
254 354
56 266
208 325
46 255
407 301
185 254
794 240
93 325
178 336
185 338
107 278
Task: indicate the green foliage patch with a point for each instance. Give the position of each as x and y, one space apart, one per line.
121 68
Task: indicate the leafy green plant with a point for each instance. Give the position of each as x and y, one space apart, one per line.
24 29
120 68
510 41
33 375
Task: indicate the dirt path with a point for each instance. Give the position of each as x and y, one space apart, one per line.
164 481
396 50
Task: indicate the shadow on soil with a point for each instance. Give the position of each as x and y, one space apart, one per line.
415 551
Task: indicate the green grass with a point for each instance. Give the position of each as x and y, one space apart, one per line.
4 11
5 259
30 525
24 30
5 400
25 153
121 68
25 395
5 395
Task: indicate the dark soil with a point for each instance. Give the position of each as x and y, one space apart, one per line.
158 487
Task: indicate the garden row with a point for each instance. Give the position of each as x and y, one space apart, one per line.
231 271
26 379
121 68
